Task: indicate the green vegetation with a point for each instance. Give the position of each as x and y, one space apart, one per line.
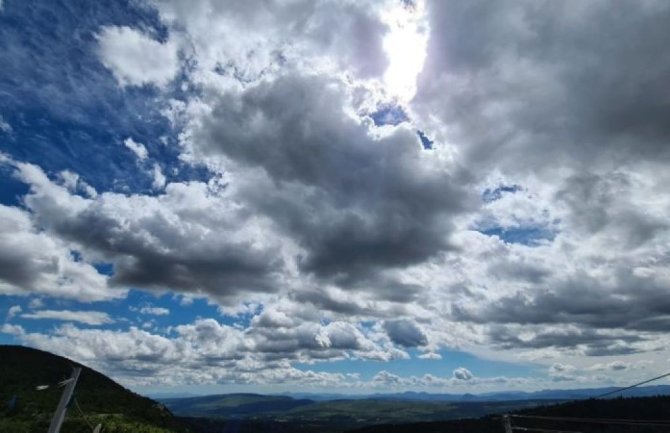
25 409
252 412
233 405
635 409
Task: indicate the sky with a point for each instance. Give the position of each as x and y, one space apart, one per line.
338 196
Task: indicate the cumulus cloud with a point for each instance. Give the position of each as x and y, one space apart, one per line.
563 132
366 204
548 110
75 184
462 373
535 227
137 59
405 333
430 355
207 351
15 330
35 262
621 366
324 36
86 317
561 368
142 235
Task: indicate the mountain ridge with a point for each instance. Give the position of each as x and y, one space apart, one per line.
544 394
102 400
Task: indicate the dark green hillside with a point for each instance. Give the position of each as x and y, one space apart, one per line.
251 412
233 405
24 409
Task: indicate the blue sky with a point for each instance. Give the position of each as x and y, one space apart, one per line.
336 196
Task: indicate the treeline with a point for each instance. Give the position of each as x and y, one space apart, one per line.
633 409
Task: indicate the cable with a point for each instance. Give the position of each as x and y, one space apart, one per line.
543 430
649 423
81 412
632 386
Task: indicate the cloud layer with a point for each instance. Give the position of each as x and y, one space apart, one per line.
533 229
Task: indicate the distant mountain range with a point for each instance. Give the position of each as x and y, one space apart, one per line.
447 412
548 394
255 412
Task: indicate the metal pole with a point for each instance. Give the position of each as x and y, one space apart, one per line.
59 416
507 423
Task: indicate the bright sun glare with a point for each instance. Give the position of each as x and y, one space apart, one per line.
405 46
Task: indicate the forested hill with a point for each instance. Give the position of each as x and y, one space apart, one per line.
25 409
596 415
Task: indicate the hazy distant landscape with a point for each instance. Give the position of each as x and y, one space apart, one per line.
340 414
335 414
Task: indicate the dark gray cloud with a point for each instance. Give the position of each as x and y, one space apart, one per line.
405 333
548 124
634 303
187 240
323 300
357 205
589 342
528 85
568 97
601 202
362 47
32 261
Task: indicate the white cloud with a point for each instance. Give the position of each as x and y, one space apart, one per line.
430 355
35 262
4 126
137 148
324 221
69 179
338 37
155 311
621 366
15 330
136 58
462 373
86 317
557 368
173 228
13 311
159 178
36 303
74 183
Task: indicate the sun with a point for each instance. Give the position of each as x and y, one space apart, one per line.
405 45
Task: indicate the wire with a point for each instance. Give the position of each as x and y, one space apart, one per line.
543 430
632 386
81 412
649 423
